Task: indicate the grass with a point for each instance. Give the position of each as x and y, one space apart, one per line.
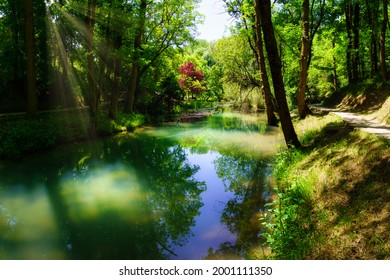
383 114
333 196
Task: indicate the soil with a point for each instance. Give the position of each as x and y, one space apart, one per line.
366 103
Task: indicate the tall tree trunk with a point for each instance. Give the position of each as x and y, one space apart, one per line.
117 74
117 62
16 31
32 98
348 19
355 29
135 69
303 109
104 68
383 41
372 16
271 118
335 78
93 98
276 71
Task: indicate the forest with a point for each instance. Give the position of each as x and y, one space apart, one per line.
77 72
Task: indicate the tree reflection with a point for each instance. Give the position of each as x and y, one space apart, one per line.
120 198
246 177
173 192
236 122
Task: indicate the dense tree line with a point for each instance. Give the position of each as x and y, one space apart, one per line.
308 49
76 52
125 54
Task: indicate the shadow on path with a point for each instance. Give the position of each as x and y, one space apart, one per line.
360 122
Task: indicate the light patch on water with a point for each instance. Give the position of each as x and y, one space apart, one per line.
222 140
112 188
35 227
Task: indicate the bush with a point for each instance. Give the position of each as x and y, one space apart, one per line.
25 135
18 136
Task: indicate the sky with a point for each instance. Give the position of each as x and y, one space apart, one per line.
216 20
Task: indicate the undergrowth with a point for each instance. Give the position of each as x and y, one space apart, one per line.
290 230
22 135
332 197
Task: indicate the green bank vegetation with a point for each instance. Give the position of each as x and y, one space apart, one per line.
332 195
20 135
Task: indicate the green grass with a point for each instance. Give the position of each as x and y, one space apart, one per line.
332 197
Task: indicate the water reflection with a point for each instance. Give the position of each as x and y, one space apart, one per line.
237 122
121 198
148 195
248 179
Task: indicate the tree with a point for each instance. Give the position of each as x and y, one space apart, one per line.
192 80
93 93
247 14
118 41
271 118
383 41
135 68
309 30
276 72
303 109
372 13
32 99
352 15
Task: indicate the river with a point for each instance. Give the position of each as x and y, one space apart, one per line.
179 191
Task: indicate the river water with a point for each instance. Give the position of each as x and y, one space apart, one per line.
179 191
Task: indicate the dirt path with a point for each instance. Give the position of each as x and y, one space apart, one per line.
361 122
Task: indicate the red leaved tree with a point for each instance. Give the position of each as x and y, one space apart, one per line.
191 80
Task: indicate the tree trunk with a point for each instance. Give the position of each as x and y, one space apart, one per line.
335 78
372 16
348 20
303 109
16 15
135 69
118 41
117 74
272 120
105 61
93 98
355 29
383 41
32 98
276 71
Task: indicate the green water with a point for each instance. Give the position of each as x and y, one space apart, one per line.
183 191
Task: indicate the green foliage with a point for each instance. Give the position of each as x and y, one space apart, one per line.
240 76
194 105
22 135
290 229
123 122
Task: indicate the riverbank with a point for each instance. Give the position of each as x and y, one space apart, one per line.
22 134
333 198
